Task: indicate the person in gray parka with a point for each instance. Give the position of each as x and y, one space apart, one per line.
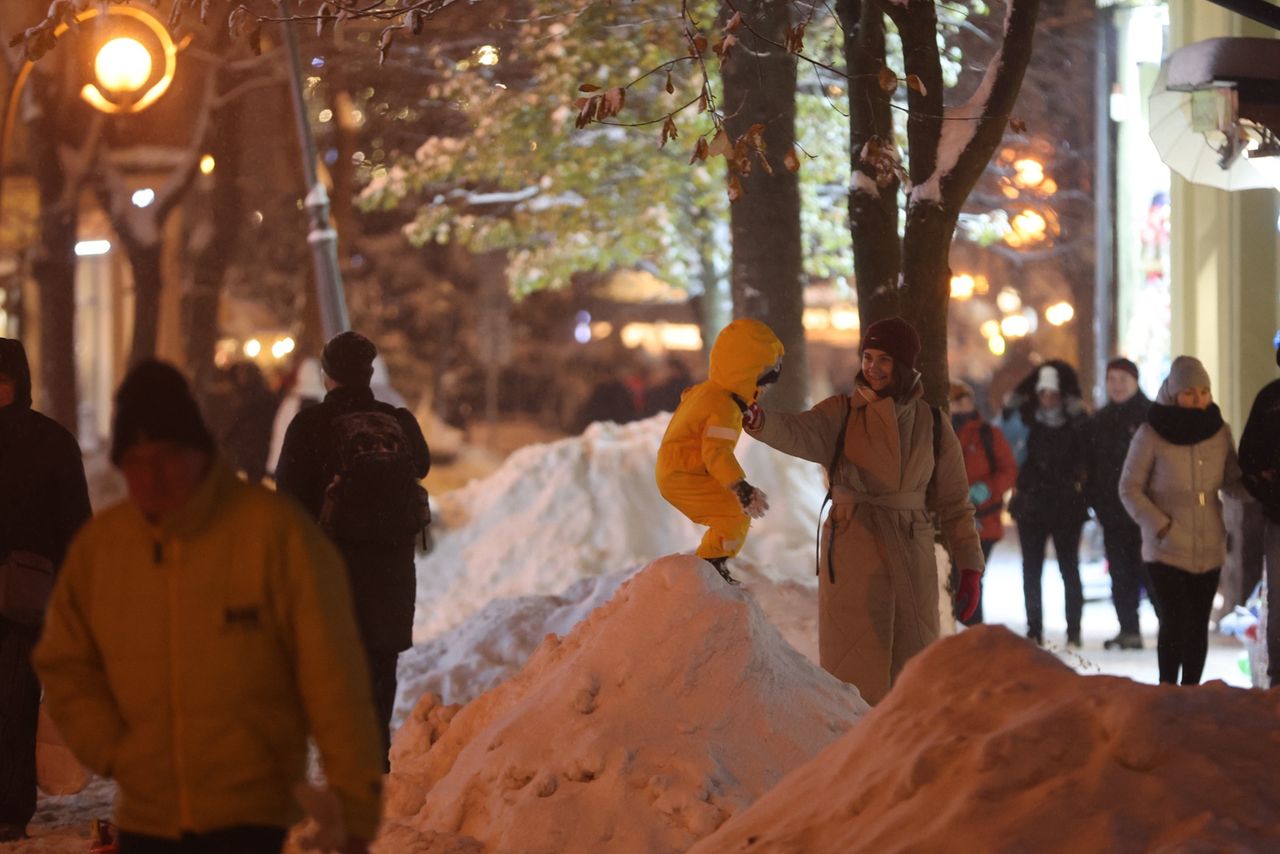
1177 463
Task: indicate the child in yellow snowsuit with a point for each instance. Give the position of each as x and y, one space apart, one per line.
697 471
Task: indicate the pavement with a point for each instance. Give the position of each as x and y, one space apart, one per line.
1002 604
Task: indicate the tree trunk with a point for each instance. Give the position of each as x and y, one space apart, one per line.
144 259
767 273
873 201
218 217
715 306
926 293
55 273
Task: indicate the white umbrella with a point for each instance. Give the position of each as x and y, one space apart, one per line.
1185 145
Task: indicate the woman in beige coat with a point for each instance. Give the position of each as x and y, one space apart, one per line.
1177 463
878 575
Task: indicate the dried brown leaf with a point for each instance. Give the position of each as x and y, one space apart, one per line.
735 188
700 150
699 46
671 87
914 82
720 144
734 23
588 87
791 161
1018 125
888 80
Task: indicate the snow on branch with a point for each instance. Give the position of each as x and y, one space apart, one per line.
971 131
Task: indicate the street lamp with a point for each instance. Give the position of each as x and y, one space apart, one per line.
123 66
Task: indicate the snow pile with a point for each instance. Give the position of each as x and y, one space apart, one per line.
665 712
559 512
990 744
494 643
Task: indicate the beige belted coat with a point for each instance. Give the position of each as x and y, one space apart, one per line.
878 586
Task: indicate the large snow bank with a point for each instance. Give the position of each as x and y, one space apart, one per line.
559 512
669 709
495 642
990 744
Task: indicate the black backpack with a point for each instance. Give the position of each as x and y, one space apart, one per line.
374 496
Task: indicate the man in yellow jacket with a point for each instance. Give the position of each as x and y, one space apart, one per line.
697 471
198 632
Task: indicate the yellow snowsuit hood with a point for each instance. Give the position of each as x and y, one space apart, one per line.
696 464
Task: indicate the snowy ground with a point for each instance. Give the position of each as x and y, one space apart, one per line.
549 537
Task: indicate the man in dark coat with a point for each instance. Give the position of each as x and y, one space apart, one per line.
383 583
1260 466
43 502
1112 430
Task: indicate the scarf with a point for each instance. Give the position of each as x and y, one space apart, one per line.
1183 426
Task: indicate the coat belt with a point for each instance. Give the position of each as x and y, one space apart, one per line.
844 500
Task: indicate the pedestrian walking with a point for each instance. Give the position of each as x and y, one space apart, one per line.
43 502
247 442
355 464
991 470
1260 466
1049 499
201 630
1177 463
892 461
1111 431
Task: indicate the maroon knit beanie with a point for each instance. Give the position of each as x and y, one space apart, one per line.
894 336
1120 363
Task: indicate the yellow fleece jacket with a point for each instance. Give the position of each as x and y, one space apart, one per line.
190 660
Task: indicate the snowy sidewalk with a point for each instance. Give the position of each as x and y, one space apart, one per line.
1002 604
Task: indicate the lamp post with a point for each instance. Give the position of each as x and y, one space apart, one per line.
322 238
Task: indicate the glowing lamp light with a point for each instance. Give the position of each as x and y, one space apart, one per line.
990 329
142 198
252 348
1028 172
963 286
1059 313
844 318
582 332
1015 326
282 347
122 65
815 319
207 164
996 345
680 336
1026 228
92 247
601 329
1008 301
487 54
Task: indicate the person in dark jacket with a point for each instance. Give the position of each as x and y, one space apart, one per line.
991 469
1260 465
43 502
1111 431
383 582
247 442
669 383
1049 500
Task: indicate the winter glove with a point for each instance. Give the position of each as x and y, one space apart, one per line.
979 494
753 417
753 501
968 594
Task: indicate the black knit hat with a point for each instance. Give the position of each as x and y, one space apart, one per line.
348 359
1120 363
155 403
894 336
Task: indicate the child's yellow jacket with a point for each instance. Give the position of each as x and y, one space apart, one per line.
705 427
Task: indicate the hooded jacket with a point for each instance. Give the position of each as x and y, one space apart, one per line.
1053 466
878 605
706 425
43 495
1260 450
190 660
1173 480
1111 431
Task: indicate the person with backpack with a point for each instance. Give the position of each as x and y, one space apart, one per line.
43 502
1260 465
892 461
1112 429
1049 497
991 469
355 464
